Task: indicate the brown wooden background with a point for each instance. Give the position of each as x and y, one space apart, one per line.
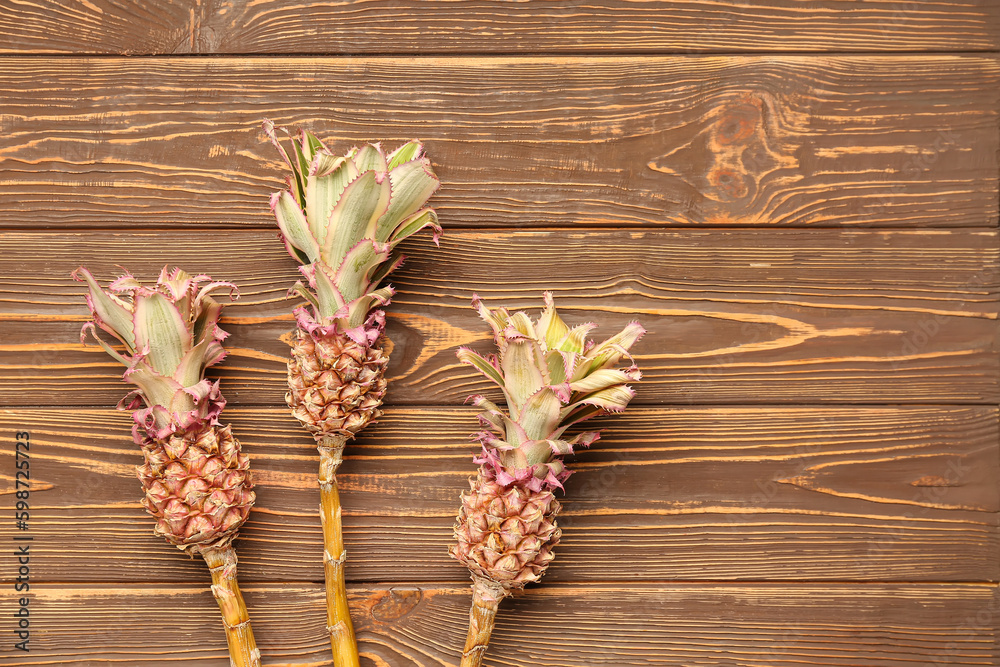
797 197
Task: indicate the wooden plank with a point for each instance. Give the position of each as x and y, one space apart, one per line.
735 316
564 626
495 26
525 142
763 493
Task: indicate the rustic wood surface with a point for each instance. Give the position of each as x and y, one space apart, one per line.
494 26
752 493
798 198
655 624
735 316
569 141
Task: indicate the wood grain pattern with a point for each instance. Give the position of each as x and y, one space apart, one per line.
731 625
709 493
735 316
518 142
494 26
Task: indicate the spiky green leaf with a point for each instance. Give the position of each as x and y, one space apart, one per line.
405 153
353 276
110 310
540 414
328 177
467 356
294 225
364 200
371 158
159 326
412 185
522 375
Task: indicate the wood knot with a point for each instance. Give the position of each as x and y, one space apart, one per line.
736 146
395 603
933 480
738 123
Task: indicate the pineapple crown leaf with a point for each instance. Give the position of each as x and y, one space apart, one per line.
552 377
169 334
351 211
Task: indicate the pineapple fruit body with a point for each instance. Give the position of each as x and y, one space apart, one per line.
197 485
506 533
335 384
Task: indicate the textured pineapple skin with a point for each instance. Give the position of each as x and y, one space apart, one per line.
506 534
198 486
335 385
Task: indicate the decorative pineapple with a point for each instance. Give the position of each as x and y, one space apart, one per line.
552 377
341 219
196 478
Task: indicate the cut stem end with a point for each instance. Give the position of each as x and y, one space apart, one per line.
243 651
338 617
486 597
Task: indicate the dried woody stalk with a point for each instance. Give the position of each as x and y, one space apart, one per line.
196 478
552 377
341 219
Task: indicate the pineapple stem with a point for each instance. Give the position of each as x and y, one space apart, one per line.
486 597
338 616
243 651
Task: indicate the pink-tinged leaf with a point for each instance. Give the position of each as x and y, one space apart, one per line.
585 439
522 377
108 310
307 144
413 183
555 362
492 372
159 327
299 289
126 283
89 326
156 389
361 306
191 368
612 399
328 296
540 415
559 447
328 176
424 218
363 201
520 326
610 351
294 225
206 291
575 339
497 319
394 262
604 378
405 153
353 276
496 417
297 184
550 327
268 126
371 158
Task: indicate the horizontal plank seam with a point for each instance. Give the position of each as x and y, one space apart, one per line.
634 403
553 584
550 585
637 53
486 229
